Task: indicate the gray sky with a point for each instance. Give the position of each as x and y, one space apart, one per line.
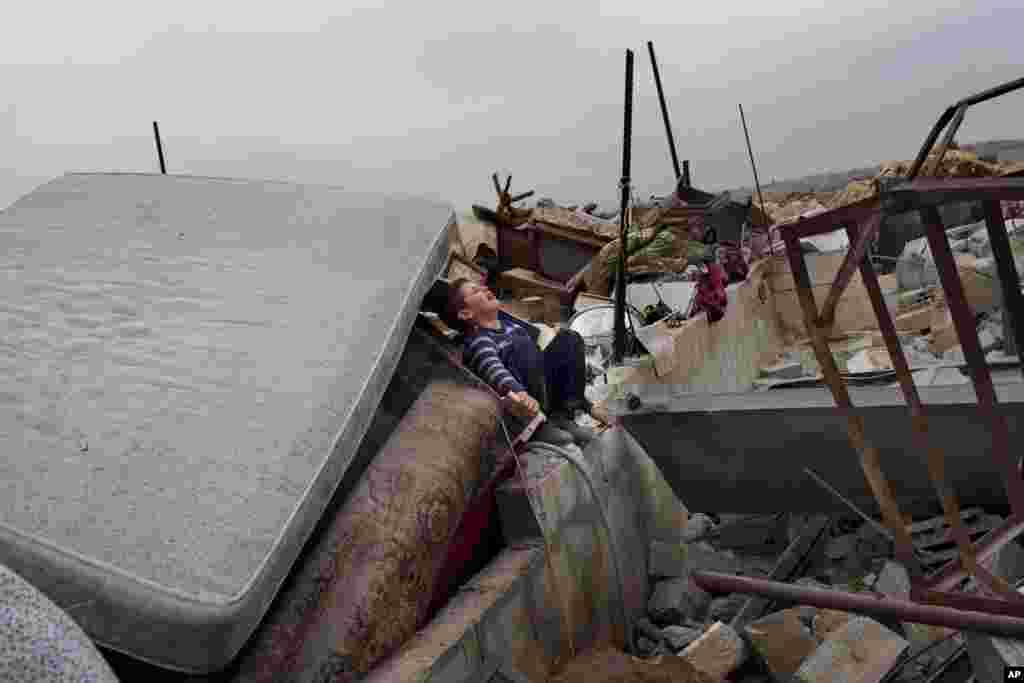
430 98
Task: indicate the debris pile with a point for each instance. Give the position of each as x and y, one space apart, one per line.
748 639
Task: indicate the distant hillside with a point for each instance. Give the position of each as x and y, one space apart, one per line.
995 150
998 150
821 182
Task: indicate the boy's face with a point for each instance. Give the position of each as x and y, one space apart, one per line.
477 302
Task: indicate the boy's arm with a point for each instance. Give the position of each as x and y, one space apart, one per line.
482 358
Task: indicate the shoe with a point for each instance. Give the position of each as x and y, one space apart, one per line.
581 435
549 434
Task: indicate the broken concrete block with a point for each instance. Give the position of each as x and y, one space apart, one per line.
676 600
678 637
893 580
859 650
726 608
987 339
978 244
828 620
783 641
872 543
718 652
698 527
841 547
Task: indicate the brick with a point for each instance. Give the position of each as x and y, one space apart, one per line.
675 601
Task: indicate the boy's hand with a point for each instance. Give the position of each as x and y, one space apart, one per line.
522 403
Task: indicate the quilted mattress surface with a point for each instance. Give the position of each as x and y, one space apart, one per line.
186 367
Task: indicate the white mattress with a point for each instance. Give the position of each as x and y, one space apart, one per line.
187 366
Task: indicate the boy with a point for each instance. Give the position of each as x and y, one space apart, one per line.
503 353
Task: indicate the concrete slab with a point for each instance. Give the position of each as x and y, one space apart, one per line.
189 366
749 450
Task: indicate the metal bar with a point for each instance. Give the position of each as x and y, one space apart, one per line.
969 602
757 183
854 257
785 568
619 346
869 458
871 604
664 113
852 214
159 148
935 191
963 321
1013 300
918 416
978 98
880 528
952 574
947 140
929 142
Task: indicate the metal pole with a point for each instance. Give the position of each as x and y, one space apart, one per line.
757 183
159 148
664 112
619 348
869 604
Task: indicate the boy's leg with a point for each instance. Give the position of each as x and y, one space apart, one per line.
565 371
526 363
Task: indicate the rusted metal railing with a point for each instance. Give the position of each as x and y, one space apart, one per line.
997 608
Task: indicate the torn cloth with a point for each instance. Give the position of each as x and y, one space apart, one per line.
711 297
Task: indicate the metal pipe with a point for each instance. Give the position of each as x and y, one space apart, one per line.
856 510
159 148
869 604
664 112
619 346
757 183
947 115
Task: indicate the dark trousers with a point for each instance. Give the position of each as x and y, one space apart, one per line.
556 376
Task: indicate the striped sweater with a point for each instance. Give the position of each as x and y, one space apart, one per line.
486 353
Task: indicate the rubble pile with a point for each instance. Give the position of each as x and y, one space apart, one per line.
722 636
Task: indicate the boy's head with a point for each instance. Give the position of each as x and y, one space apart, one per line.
469 303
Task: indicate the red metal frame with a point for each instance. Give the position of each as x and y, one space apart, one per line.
997 608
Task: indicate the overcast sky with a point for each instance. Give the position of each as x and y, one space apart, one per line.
431 97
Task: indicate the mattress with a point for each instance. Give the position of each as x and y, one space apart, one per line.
187 367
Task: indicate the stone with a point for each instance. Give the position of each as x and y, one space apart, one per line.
828 620
676 600
987 339
893 580
678 637
726 608
698 526
954 355
645 645
860 650
841 547
718 652
783 641
978 244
